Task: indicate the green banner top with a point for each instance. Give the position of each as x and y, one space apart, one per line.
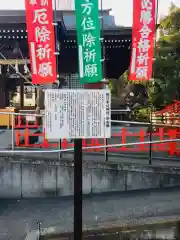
89 44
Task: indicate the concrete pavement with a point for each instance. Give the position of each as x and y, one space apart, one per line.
18 217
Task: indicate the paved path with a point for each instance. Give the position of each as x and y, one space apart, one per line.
17 217
123 159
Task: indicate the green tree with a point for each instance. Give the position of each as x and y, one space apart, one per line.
127 93
166 87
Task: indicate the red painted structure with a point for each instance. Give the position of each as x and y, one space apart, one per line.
173 148
171 113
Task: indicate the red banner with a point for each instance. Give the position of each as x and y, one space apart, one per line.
39 19
143 37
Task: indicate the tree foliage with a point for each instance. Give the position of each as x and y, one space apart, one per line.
126 93
166 87
166 70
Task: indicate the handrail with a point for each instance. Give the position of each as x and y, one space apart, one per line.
172 137
120 110
146 123
92 147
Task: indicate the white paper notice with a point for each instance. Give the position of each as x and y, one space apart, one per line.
77 113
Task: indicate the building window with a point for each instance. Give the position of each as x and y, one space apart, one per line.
29 96
28 93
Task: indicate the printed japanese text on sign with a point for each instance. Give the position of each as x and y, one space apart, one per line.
45 69
145 31
90 55
88 40
141 72
40 16
42 34
42 2
33 2
91 70
143 45
143 59
146 16
146 4
88 24
92 107
87 8
43 52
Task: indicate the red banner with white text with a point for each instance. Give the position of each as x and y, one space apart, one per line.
41 39
143 38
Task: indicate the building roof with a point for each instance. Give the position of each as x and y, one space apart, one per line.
67 4
171 108
17 18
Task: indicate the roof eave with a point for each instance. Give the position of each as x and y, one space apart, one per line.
118 30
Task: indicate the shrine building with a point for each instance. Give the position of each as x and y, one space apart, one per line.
18 93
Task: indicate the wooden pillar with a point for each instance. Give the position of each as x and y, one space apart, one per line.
40 99
3 91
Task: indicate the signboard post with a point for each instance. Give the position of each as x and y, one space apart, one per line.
77 114
78 189
90 71
89 43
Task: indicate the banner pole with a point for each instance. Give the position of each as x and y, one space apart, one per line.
153 77
57 56
103 70
90 75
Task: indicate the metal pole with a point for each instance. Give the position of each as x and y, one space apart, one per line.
150 139
103 68
78 233
12 129
152 107
78 171
56 49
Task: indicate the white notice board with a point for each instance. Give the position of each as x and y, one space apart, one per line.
77 113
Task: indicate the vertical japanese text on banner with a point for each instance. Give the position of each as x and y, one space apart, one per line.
39 16
143 39
88 31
